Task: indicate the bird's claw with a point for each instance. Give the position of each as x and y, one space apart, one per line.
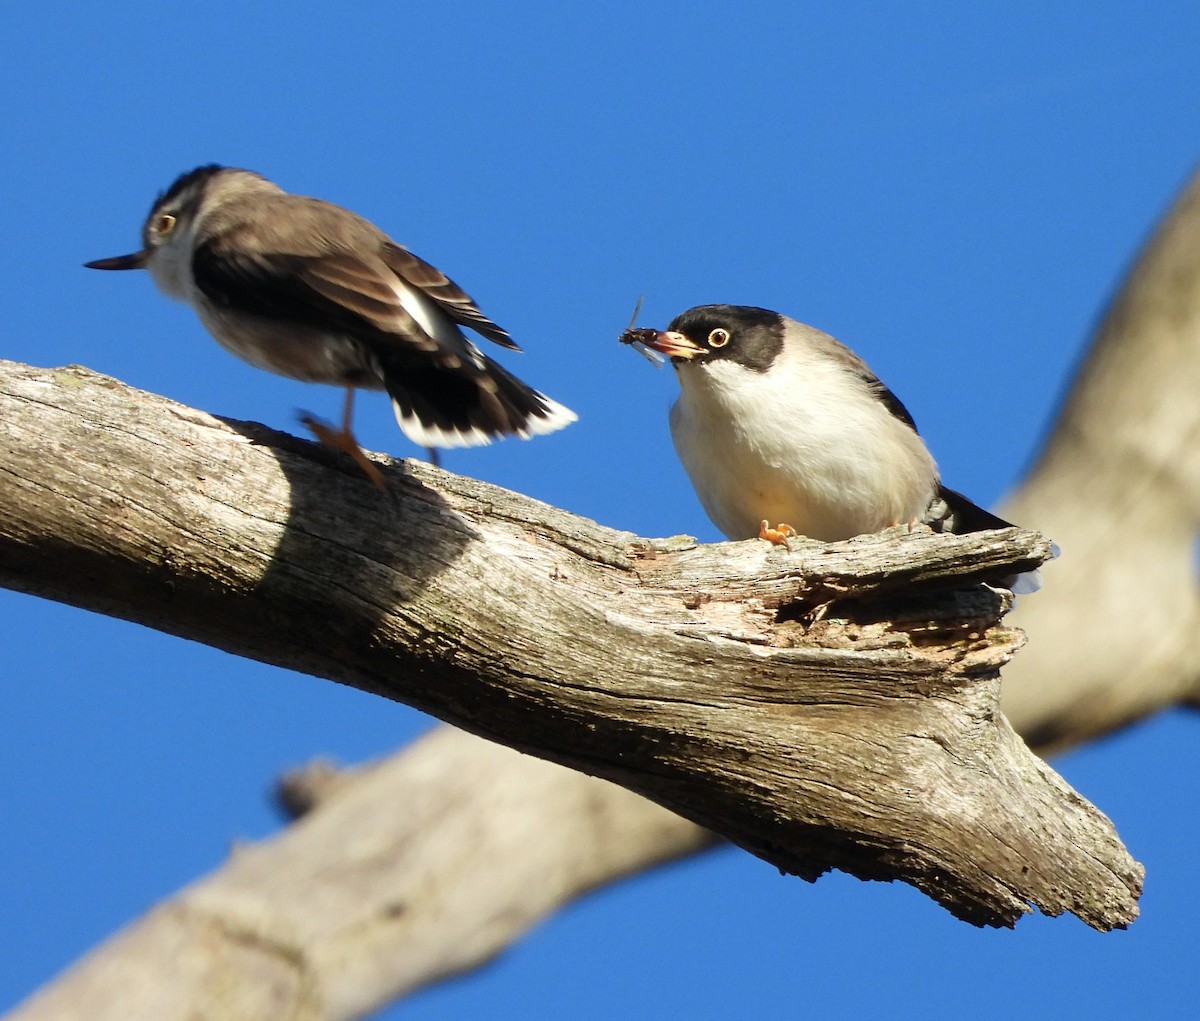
777 536
343 439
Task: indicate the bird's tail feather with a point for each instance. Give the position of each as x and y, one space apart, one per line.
953 512
468 405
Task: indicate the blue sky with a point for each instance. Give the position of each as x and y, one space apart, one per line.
953 189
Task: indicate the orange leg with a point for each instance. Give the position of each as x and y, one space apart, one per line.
343 440
778 535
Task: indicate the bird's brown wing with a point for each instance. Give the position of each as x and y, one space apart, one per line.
451 298
336 292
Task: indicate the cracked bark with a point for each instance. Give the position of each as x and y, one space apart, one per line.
867 740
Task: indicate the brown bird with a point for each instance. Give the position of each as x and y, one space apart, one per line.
309 290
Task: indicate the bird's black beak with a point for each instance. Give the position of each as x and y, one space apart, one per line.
135 261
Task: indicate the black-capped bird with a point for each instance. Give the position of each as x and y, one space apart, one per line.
785 431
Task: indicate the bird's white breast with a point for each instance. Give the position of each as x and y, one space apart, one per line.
811 447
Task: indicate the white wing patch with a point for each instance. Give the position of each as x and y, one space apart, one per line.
434 321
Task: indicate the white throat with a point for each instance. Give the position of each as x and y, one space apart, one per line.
171 266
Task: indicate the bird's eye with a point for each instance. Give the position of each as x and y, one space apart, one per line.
718 338
163 223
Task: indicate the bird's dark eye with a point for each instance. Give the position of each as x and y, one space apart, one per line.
718 338
164 223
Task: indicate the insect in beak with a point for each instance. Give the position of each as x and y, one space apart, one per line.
642 340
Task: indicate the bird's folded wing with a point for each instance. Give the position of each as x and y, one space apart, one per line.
340 293
451 298
834 350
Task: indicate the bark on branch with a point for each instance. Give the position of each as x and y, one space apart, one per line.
719 681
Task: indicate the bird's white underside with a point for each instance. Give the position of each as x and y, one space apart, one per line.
805 443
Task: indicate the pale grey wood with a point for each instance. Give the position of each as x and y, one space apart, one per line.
389 885
716 680
1115 634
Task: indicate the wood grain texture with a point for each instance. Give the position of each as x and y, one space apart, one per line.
720 681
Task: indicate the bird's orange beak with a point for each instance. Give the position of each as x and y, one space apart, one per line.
135 261
675 345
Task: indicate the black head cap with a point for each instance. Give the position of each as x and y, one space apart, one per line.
193 180
745 334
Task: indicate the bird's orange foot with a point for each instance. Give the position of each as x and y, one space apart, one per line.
343 440
778 535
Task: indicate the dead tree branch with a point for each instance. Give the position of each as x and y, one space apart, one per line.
1118 486
868 741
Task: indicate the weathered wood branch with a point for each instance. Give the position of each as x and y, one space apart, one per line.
719 681
1118 486
386 886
